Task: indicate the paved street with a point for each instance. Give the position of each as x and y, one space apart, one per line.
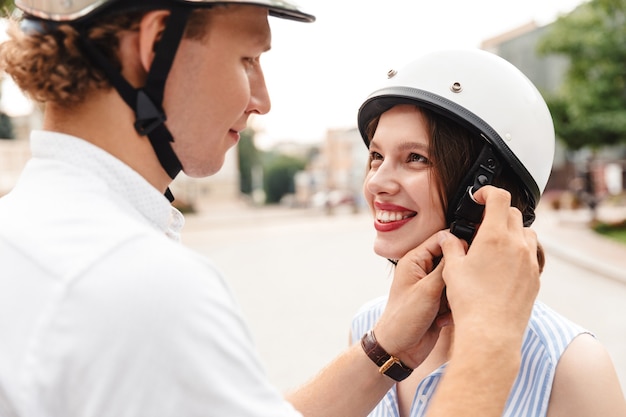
301 275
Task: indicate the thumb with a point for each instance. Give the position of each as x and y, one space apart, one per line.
452 246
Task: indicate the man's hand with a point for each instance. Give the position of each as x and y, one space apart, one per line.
493 285
491 289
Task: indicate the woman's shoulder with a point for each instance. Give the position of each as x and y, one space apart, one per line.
550 331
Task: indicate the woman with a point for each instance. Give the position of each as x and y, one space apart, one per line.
441 128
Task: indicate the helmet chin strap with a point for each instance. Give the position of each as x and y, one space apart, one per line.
468 213
147 101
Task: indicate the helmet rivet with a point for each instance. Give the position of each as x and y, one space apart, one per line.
391 73
456 87
508 137
482 179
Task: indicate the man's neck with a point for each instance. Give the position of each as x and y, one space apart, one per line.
107 122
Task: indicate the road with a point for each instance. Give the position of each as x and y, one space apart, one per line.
299 280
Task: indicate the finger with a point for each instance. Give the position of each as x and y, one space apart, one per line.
432 285
444 319
516 221
541 257
426 254
451 246
431 247
497 202
530 237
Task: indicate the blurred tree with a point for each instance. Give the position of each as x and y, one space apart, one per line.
6 7
590 108
248 159
278 178
6 127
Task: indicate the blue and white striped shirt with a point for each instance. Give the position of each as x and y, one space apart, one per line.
547 336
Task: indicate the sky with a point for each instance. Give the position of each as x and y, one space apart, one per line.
319 73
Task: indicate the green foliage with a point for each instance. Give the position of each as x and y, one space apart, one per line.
278 179
248 159
615 231
590 109
6 127
6 7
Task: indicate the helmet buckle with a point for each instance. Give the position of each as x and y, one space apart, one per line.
469 213
149 117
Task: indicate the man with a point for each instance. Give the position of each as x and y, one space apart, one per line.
102 311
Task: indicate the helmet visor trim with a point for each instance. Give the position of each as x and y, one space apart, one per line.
79 10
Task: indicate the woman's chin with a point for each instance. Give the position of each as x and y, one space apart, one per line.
388 253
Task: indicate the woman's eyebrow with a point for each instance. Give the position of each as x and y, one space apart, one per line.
410 145
406 145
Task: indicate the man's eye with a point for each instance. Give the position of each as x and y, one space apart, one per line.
250 61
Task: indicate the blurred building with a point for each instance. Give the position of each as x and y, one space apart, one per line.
519 47
334 177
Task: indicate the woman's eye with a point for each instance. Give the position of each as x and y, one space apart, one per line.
375 159
375 156
415 157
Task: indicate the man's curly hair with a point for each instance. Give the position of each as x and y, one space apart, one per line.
51 67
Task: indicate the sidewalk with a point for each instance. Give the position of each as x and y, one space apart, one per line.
566 234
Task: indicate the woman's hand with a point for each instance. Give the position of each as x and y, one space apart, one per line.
414 315
492 286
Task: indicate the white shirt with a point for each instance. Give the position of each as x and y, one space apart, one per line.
102 311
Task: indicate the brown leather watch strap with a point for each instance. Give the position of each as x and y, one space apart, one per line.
388 365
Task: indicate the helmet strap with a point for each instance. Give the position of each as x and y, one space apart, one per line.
147 101
467 213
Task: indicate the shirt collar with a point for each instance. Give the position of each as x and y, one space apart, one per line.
126 183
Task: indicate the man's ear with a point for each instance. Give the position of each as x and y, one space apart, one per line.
151 28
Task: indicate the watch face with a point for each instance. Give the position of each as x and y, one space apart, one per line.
388 365
395 369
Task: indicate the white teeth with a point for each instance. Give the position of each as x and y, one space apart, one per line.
392 216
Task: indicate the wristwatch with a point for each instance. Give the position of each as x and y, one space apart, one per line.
387 364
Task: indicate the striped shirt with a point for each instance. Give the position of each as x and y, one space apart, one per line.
545 340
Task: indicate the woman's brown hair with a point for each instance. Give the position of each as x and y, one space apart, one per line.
453 150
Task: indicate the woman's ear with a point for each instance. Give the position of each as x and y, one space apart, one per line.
151 28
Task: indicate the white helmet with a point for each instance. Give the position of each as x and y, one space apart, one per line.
484 93
64 10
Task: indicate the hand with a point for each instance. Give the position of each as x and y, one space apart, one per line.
413 317
493 286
